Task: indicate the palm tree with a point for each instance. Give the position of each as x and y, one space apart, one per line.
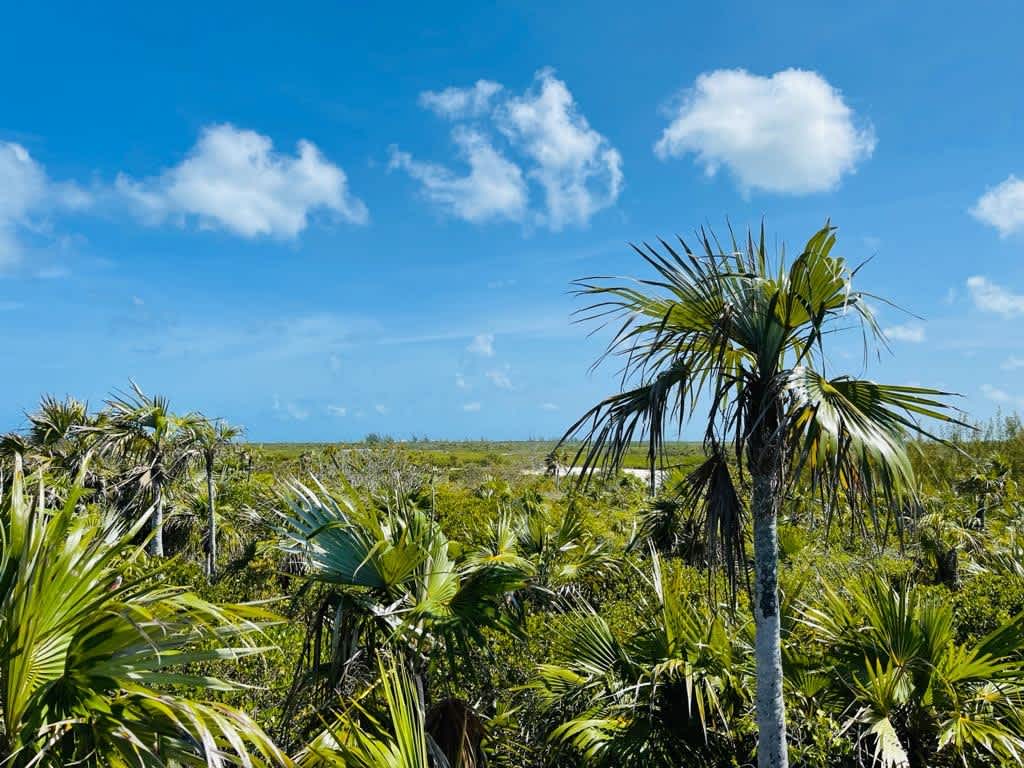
915 695
359 739
662 697
156 446
54 437
389 578
212 437
744 338
96 648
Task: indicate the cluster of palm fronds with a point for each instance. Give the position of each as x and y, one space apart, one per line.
95 647
138 455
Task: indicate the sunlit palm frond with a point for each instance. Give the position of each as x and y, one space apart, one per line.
91 643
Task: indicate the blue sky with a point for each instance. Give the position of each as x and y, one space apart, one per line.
321 221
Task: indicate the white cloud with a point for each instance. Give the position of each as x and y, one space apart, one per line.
454 103
790 132
1002 206
460 381
482 344
26 195
997 395
1012 363
383 410
912 332
550 142
233 179
337 410
493 189
990 297
579 170
471 407
500 379
548 407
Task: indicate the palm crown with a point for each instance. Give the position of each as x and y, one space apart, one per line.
748 336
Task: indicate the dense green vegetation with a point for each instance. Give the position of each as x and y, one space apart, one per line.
537 623
173 595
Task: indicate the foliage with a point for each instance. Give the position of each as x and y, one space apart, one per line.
457 598
93 644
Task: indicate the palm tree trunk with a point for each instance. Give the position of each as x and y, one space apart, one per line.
211 523
156 544
770 708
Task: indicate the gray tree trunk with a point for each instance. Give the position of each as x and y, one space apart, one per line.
211 554
156 544
770 708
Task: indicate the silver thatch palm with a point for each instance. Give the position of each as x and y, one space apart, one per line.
727 329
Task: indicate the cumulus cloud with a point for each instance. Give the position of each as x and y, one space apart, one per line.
912 332
991 297
234 179
471 407
544 139
27 195
791 132
1002 206
1012 363
494 188
482 344
455 103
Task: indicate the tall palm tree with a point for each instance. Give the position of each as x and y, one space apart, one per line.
156 447
212 437
96 649
732 332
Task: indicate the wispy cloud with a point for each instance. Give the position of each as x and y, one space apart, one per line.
471 407
909 332
544 139
27 196
457 103
482 344
997 395
1002 206
991 297
500 379
289 409
494 188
